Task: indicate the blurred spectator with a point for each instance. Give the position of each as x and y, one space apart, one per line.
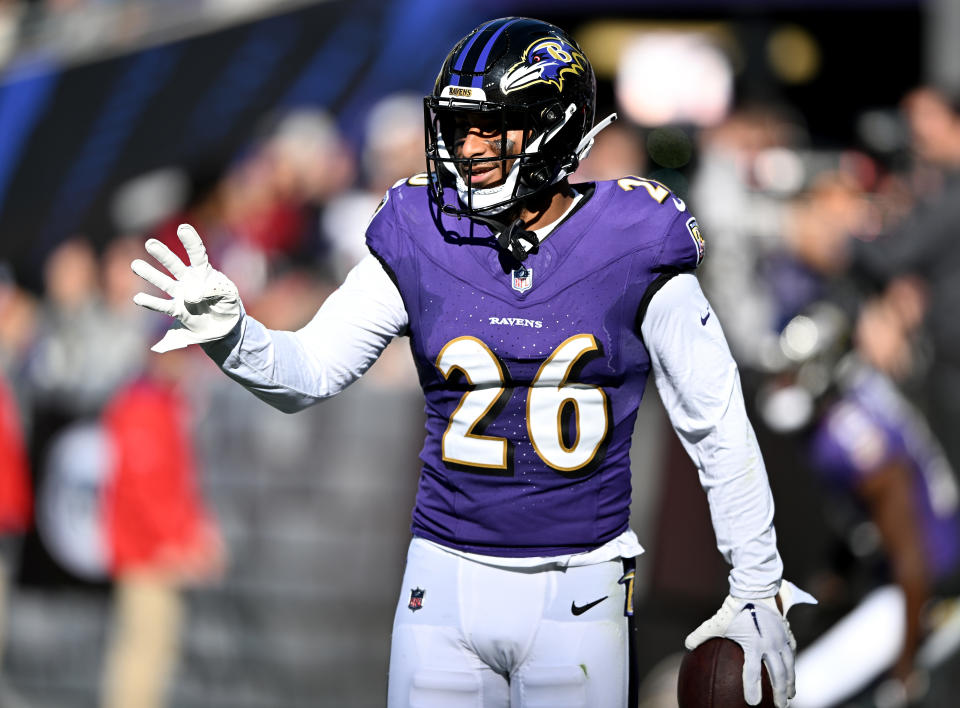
924 246
259 210
811 262
15 493
159 534
393 142
142 202
822 218
271 198
392 150
616 152
748 168
119 501
81 355
88 344
71 372
311 160
887 325
18 325
897 505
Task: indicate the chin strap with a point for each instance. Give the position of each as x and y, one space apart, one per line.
512 238
517 241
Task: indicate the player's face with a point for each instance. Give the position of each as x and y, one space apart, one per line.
478 135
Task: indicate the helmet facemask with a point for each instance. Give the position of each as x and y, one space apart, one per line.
531 167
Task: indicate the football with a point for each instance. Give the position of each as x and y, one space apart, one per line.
711 676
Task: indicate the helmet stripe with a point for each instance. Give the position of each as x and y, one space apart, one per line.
482 61
458 67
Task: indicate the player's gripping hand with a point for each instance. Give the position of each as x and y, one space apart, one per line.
760 627
204 301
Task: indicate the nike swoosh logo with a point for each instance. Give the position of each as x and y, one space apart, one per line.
577 611
704 318
679 204
753 613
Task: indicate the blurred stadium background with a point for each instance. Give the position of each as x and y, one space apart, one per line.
275 126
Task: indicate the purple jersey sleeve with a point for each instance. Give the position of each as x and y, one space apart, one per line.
384 232
683 246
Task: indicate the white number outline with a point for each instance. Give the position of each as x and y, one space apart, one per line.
477 407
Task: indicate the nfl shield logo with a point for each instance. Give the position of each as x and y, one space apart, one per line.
416 599
522 279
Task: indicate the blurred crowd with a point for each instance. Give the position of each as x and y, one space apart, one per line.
107 432
832 269
79 28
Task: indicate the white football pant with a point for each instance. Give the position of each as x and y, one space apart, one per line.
472 635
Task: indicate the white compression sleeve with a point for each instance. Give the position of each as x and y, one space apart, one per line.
699 384
292 370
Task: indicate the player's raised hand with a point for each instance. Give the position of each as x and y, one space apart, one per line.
204 301
760 627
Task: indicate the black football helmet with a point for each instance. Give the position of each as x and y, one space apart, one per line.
529 75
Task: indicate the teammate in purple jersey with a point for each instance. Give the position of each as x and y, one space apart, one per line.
877 453
893 502
870 441
536 310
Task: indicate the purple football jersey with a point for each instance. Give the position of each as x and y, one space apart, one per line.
872 425
532 375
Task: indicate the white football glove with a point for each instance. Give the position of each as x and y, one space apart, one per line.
205 302
763 632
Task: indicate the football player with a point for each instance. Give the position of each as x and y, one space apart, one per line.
895 502
536 309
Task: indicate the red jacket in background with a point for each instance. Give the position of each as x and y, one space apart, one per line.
154 514
16 499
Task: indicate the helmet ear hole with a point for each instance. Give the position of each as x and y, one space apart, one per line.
537 177
551 114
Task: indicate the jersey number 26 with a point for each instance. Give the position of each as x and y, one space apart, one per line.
555 406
